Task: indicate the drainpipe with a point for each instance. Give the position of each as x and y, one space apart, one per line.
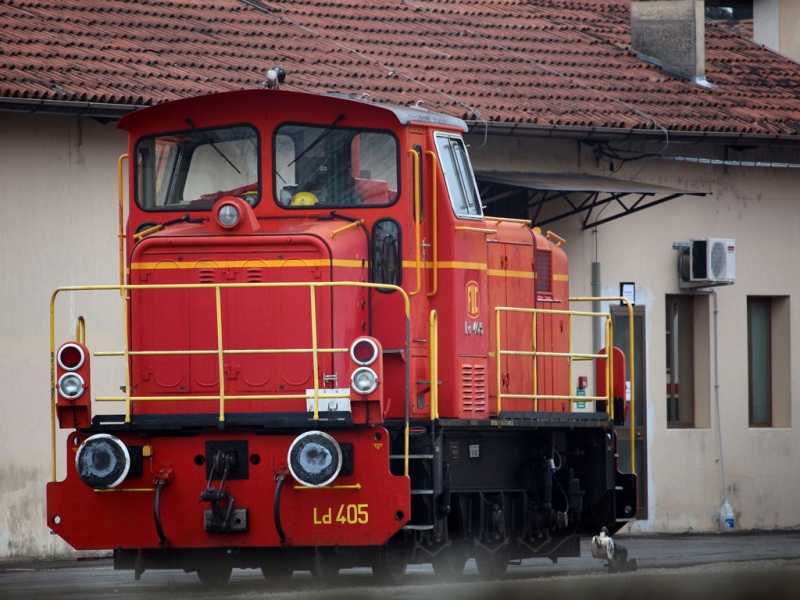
598 325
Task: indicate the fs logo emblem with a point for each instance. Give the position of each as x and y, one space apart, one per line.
473 300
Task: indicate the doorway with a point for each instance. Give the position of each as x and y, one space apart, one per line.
620 317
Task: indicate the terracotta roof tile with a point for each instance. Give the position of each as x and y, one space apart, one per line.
559 62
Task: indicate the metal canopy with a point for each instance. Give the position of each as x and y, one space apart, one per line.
517 194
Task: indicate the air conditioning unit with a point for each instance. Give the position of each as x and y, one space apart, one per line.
712 261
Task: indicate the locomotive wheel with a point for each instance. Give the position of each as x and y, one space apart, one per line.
390 573
491 565
214 576
277 573
449 563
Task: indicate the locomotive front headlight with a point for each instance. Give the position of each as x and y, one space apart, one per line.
71 386
228 215
315 458
364 380
102 461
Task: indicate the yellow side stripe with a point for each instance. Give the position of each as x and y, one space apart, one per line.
240 264
320 262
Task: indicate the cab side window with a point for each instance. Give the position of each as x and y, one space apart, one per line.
458 176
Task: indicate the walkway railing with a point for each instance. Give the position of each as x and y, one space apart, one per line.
220 351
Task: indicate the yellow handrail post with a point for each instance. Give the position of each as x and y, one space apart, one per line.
500 362
346 227
609 368
434 368
126 351
435 210
80 330
314 351
535 362
417 220
569 360
53 382
632 415
220 354
121 232
561 241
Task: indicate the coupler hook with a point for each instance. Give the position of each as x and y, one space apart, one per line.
220 517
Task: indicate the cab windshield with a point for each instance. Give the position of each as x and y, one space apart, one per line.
334 166
194 169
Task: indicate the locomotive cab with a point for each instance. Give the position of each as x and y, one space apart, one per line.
329 343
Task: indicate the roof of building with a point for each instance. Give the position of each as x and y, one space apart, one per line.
562 63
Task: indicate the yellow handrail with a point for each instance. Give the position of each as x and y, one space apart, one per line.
417 220
477 230
561 241
534 353
434 368
630 358
124 291
522 222
148 231
121 233
435 210
346 227
80 330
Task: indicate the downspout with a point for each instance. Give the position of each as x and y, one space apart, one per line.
726 512
598 339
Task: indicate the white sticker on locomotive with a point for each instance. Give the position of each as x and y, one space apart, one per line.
473 328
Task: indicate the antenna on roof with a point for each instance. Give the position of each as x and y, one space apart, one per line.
275 77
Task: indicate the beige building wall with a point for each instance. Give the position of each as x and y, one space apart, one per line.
58 226
759 208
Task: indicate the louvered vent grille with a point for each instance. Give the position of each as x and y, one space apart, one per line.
544 271
255 275
206 276
473 388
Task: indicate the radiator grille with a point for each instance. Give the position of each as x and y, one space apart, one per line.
206 275
255 275
473 388
544 271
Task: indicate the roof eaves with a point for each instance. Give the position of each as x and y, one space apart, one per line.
99 110
598 133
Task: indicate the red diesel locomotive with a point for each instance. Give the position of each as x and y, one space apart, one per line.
332 357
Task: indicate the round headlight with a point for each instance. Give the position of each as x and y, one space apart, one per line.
364 351
364 380
102 461
70 386
315 458
228 216
71 357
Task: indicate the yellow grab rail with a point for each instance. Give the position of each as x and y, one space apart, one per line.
417 220
121 233
561 241
435 210
535 353
632 373
346 227
434 360
220 351
80 330
477 230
